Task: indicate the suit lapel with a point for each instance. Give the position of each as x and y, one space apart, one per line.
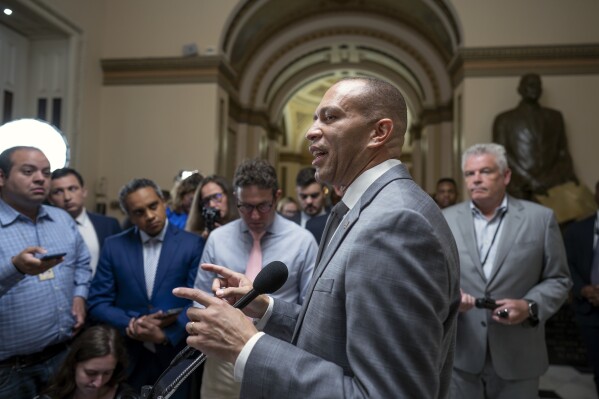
397 172
137 262
465 223
324 234
167 252
512 224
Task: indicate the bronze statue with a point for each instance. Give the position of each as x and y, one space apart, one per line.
535 142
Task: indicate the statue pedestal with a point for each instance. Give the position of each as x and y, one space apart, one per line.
569 201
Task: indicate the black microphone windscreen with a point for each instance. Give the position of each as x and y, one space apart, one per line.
271 278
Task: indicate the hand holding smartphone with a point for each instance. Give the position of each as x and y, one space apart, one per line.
171 312
53 256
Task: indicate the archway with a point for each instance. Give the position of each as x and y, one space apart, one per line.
282 56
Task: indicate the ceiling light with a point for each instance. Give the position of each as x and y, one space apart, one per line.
39 134
7 11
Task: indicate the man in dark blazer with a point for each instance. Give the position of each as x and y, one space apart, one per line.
67 191
316 226
311 197
511 251
581 247
378 319
132 289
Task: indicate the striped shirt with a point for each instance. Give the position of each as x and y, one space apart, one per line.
36 313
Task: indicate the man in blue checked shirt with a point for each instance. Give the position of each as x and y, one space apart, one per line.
42 301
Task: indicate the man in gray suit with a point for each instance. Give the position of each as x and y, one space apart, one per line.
378 319
511 251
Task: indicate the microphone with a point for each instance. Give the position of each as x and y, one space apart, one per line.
269 279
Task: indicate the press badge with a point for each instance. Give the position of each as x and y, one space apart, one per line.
47 275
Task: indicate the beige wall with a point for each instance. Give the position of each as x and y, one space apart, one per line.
155 131
488 23
151 131
575 96
158 28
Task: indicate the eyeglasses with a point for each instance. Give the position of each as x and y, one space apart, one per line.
248 209
313 196
218 197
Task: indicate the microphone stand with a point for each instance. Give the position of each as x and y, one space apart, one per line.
157 391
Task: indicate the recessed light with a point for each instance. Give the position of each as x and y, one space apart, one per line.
7 11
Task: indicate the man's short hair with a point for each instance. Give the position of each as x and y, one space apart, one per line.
383 100
134 185
6 162
256 172
497 150
305 177
62 172
447 180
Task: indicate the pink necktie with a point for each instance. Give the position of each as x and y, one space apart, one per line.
254 264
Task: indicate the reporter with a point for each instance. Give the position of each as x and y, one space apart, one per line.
213 193
94 368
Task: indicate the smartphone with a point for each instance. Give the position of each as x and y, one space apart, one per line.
485 303
170 312
53 256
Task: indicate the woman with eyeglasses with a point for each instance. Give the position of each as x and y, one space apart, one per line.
213 206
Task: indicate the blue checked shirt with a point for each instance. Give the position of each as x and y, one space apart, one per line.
34 313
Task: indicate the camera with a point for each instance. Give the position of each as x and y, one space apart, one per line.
211 217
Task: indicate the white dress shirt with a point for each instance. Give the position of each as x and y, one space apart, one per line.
88 232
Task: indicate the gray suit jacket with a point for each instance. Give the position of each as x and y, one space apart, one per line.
530 263
378 320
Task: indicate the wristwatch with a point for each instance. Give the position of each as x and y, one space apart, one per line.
533 312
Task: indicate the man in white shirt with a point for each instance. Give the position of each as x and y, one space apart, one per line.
67 191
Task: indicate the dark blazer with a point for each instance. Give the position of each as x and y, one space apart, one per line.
118 289
105 226
578 239
379 317
316 226
530 264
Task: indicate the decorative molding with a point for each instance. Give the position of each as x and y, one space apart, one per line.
433 116
509 61
165 70
325 33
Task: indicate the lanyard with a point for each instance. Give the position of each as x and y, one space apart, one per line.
493 240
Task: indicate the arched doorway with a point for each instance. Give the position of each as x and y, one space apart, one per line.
283 55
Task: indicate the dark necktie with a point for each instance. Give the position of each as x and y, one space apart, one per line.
333 222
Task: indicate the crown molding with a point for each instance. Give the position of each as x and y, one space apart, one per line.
509 61
165 70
